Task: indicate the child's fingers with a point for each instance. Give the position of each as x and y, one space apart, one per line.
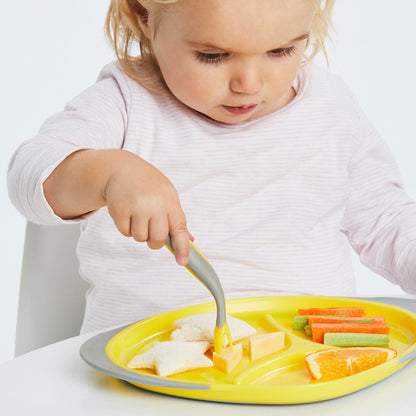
123 224
140 228
158 232
180 238
180 243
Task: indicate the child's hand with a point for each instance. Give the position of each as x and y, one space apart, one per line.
145 205
142 202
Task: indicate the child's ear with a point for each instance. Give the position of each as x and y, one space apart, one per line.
143 16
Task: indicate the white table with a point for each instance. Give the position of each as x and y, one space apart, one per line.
54 380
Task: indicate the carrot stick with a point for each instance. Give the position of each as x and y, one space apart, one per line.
339 320
353 311
320 329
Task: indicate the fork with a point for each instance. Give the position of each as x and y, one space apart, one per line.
200 267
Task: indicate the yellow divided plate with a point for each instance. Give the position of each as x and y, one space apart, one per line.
279 378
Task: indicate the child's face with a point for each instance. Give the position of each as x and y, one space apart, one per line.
233 60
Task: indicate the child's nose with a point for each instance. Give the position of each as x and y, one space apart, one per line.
247 78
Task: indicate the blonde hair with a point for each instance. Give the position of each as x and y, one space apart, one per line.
132 46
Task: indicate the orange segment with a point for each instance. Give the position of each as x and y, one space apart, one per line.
342 362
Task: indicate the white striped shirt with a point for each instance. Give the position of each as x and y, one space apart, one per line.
274 203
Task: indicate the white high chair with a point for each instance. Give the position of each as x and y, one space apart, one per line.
52 294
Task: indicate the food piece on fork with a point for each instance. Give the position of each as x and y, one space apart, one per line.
228 359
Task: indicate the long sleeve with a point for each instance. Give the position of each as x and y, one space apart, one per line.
380 218
271 201
95 119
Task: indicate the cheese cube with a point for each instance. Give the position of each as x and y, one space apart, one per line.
228 359
262 345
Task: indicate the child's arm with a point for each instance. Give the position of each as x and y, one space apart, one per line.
380 218
75 165
142 202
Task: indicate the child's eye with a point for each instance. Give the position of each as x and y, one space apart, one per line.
282 51
210 57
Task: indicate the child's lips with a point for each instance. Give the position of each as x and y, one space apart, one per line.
243 109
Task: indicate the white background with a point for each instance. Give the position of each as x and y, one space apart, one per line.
53 49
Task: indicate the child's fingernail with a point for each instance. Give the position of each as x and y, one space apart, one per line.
182 261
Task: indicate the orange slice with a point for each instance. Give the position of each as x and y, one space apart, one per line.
342 362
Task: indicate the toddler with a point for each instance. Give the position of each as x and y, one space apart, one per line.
221 128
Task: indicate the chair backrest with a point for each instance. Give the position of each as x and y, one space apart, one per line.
52 294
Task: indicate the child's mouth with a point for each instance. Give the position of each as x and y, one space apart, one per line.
243 109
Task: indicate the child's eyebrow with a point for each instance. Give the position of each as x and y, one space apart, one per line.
299 38
217 47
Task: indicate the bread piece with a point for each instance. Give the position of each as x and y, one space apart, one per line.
200 327
172 357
